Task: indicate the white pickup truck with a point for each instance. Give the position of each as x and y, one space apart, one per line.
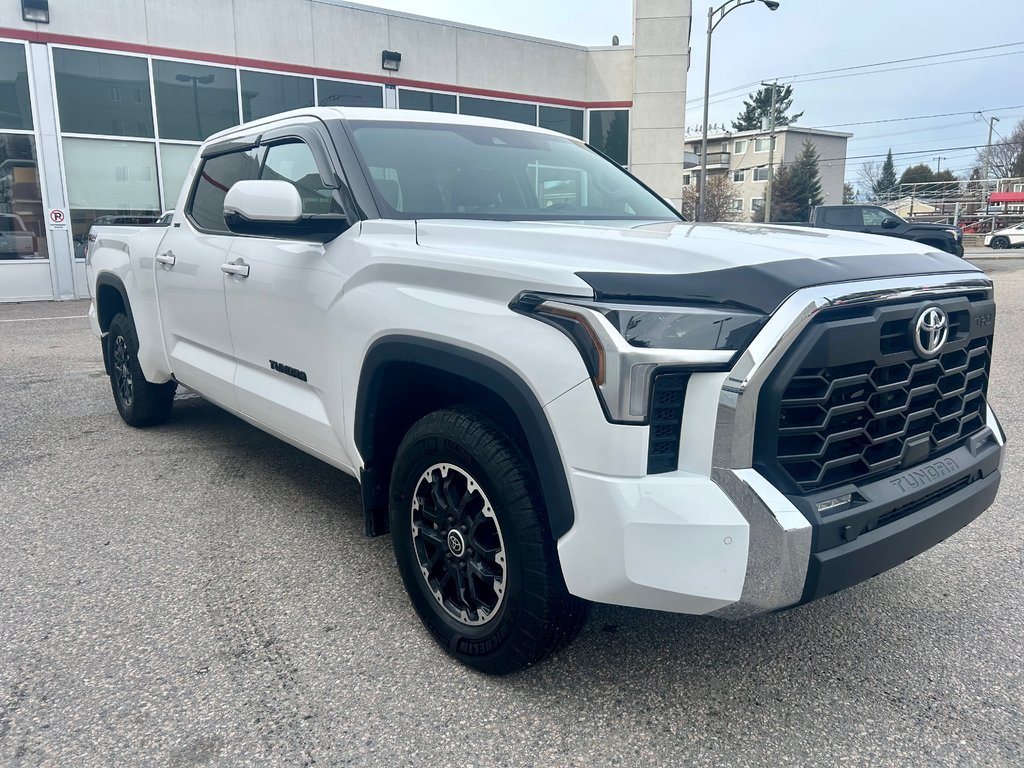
551 388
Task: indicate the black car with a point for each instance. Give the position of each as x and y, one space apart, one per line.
876 220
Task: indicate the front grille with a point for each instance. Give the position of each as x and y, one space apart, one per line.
847 409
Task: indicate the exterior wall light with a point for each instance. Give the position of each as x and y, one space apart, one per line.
36 10
390 60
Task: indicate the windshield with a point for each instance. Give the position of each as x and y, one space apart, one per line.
481 172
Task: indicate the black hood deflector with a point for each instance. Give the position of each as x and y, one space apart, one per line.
765 286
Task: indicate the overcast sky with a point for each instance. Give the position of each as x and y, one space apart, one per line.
807 36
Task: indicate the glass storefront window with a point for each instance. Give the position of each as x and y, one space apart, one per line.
500 110
567 121
22 228
15 108
266 94
109 182
335 93
194 101
428 101
175 160
609 133
103 93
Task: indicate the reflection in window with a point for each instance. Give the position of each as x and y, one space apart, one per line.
103 93
428 101
15 108
175 160
215 179
109 182
193 101
609 133
567 121
499 110
335 93
264 93
22 229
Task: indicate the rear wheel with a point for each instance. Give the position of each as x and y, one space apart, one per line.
140 403
1000 242
470 534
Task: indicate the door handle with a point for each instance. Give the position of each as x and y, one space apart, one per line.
166 258
238 268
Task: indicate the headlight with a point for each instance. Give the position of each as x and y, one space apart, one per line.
623 344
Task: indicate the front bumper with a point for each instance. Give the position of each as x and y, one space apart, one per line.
715 536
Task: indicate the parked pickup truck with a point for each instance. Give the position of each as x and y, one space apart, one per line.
551 388
875 220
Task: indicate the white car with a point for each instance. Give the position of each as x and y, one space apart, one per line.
1011 237
552 388
16 240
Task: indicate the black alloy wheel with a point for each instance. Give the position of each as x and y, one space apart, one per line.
140 402
458 544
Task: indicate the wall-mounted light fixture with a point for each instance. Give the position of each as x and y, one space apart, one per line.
36 10
390 60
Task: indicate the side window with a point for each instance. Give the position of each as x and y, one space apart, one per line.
294 162
841 217
216 175
873 217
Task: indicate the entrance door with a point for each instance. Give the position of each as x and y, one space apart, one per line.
190 279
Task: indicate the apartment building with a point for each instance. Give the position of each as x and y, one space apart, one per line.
744 156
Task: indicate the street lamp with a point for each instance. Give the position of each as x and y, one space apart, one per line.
196 80
720 12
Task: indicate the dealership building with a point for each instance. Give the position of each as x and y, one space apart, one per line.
102 108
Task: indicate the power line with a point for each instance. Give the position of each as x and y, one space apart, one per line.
865 66
921 117
913 152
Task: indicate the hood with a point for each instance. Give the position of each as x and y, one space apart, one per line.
929 227
751 265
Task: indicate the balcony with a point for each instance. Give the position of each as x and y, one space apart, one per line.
718 160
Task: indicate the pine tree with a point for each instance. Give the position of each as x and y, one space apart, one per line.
849 194
885 185
796 187
759 106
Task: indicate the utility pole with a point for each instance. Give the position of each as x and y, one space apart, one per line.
938 164
771 154
988 164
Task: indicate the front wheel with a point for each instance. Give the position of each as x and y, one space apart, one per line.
1000 242
140 403
473 546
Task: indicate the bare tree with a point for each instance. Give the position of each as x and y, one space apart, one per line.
718 201
1007 158
869 174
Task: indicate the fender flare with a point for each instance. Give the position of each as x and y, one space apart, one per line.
113 281
483 371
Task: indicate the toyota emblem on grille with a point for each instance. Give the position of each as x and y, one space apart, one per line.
931 331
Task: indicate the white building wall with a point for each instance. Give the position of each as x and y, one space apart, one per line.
659 94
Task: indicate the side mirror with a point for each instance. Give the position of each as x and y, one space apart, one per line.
269 208
890 223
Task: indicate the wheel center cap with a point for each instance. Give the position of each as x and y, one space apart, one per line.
456 544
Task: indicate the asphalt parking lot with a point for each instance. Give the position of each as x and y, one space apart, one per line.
203 594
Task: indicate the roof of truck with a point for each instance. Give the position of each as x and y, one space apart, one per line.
377 114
